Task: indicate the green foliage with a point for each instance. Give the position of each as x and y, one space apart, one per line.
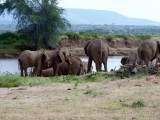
10 41
93 92
39 21
72 36
138 104
7 80
93 77
8 38
143 37
109 37
123 36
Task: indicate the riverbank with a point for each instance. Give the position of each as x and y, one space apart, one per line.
118 47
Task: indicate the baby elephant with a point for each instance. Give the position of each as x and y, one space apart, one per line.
72 66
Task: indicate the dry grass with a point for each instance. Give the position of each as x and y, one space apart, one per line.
87 101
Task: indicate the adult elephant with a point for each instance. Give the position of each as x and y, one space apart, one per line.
98 51
148 51
35 59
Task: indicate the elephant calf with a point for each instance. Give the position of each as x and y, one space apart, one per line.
72 66
132 58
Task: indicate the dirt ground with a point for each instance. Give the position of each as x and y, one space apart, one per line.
103 100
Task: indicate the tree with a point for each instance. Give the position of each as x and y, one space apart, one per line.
39 21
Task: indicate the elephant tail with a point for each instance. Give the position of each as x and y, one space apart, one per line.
19 64
100 52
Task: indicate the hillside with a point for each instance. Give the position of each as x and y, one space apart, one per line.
94 17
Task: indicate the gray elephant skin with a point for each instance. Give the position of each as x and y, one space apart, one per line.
72 66
56 58
148 51
35 59
132 58
97 51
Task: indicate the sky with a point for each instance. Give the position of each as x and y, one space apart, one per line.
146 9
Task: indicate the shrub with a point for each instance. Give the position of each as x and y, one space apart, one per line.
8 38
109 37
93 92
144 37
72 35
138 104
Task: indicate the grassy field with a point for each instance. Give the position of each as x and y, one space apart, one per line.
97 96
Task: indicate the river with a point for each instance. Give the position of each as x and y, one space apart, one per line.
11 65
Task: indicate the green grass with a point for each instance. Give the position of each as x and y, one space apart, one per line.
136 104
15 80
94 92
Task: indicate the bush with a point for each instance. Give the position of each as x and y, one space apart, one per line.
144 37
72 35
8 38
109 37
138 104
123 36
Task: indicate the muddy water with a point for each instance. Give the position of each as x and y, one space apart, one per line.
11 65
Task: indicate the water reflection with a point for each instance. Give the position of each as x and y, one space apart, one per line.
11 65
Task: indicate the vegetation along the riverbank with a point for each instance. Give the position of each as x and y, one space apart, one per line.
11 44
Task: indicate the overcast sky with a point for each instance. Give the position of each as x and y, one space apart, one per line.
147 9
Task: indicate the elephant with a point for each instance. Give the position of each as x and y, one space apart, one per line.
148 51
47 72
98 51
132 58
85 66
35 59
56 58
72 66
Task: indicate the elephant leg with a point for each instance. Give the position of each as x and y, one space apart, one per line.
21 71
25 71
89 65
55 70
105 65
100 66
97 65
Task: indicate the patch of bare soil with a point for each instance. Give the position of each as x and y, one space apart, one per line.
101 100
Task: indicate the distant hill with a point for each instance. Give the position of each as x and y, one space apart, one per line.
94 17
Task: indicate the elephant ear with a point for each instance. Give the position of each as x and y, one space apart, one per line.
67 56
45 58
61 56
85 47
42 56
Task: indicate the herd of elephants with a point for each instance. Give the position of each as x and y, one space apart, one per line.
59 62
